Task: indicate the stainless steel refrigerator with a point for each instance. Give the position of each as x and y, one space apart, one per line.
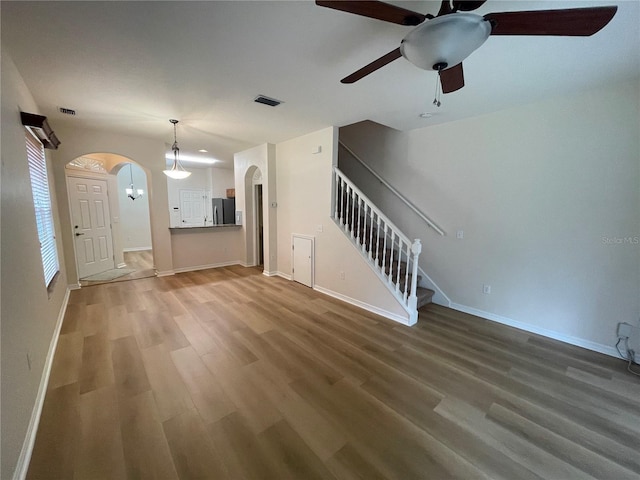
224 210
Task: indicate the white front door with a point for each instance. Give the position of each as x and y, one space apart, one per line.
91 225
192 208
303 260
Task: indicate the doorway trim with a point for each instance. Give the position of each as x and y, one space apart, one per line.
258 209
252 178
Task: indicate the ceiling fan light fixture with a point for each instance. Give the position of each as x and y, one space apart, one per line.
448 40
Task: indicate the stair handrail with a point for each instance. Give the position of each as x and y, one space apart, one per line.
415 209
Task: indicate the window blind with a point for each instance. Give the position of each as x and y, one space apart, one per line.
42 205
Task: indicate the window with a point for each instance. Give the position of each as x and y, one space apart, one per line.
42 204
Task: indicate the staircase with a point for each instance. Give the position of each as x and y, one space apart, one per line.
390 253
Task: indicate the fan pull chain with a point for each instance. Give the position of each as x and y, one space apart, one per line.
436 99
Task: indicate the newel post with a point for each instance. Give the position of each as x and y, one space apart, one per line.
416 248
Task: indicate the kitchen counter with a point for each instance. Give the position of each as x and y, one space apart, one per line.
196 248
208 227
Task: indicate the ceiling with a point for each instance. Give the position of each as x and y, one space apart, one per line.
131 66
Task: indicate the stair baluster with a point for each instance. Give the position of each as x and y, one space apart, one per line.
370 232
358 231
336 203
406 273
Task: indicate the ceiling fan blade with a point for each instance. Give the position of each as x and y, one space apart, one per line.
373 66
377 10
572 22
452 79
467 6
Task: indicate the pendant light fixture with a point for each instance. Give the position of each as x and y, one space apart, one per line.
133 192
176 171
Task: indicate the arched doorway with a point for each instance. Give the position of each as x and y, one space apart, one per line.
255 213
109 211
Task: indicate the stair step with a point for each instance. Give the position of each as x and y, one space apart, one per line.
424 296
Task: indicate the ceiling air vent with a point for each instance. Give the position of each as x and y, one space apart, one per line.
67 111
272 102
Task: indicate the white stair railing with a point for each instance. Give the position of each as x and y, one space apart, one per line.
389 252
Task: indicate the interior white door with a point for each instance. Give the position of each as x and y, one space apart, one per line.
303 260
91 225
192 208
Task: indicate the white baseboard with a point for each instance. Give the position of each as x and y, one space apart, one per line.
164 273
283 275
371 308
440 298
30 438
136 249
269 274
73 286
579 342
205 267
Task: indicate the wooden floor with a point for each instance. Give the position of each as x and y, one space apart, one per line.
141 260
228 374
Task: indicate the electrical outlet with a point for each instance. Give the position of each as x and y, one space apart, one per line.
486 289
342 276
460 234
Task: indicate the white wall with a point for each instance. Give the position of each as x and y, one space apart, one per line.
135 229
222 179
304 205
537 190
29 313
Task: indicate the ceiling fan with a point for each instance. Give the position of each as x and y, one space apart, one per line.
442 42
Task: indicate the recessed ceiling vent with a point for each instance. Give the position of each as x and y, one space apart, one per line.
67 111
272 102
